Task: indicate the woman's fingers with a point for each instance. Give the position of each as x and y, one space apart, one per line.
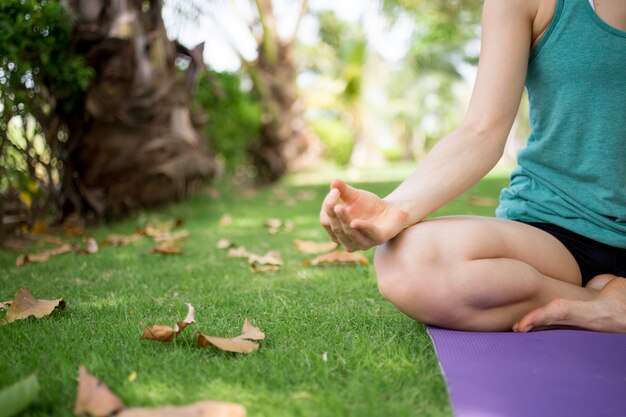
367 229
336 220
328 218
357 240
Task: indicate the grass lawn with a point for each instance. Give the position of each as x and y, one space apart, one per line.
378 362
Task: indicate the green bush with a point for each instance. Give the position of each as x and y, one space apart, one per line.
41 82
234 116
337 138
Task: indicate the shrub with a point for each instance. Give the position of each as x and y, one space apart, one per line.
234 116
337 138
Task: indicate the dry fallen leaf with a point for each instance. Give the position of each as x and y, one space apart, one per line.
273 225
168 247
164 333
199 409
270 258
258 263
122 240
5 304
160 230
225 244
25 305
91 247
308 246
43 256
337 257
239 252
244 343
181 234
226 220
94 398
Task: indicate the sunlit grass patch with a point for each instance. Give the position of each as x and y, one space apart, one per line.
333 346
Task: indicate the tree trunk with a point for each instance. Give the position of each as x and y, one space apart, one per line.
286 143
135 144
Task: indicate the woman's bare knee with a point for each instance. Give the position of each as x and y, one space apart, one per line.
413 281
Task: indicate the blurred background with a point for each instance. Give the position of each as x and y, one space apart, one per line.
107 106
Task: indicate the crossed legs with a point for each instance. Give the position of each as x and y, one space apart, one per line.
486 274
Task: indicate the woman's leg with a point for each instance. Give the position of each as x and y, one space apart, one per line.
476 273
606 312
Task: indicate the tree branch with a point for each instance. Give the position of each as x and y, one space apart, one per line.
303 9
270 40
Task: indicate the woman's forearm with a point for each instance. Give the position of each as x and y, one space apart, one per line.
456 163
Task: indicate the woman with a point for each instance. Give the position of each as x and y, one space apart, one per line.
556 254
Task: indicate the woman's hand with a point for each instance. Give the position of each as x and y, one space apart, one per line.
363 220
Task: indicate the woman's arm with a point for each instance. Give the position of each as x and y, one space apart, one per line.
461 158
467 154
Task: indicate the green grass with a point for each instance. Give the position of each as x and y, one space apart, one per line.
379 362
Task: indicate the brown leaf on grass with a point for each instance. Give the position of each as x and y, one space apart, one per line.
164 333
93 397
122 240
240 252
168 247
226 220
25 305
43 256
91 247
161 231
225 244
258 263
244 343
482 201
199 409
337 257
273 225
181 234
5 304
308 246
168 225
270 258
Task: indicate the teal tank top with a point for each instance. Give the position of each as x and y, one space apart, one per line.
572 173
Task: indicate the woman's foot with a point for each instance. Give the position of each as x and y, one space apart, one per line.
599 281
605 313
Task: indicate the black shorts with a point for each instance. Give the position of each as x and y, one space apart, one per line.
593 257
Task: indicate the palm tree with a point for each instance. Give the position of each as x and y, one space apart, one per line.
286 143
135 142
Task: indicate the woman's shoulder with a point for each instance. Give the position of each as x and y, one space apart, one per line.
538 13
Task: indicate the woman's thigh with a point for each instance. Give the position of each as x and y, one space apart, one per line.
447 240
475 273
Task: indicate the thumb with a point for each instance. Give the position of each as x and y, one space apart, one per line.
347 192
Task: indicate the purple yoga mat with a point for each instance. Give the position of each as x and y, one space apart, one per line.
552 373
